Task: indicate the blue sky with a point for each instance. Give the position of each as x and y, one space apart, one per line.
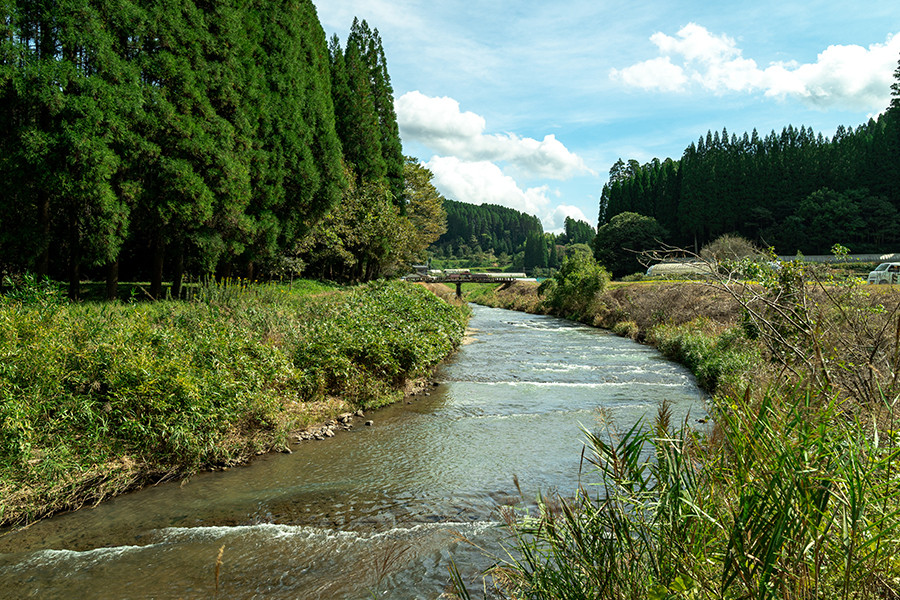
528 104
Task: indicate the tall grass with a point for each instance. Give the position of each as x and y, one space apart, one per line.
98 397
792 493
788 500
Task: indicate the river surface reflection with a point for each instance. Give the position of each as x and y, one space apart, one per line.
376 512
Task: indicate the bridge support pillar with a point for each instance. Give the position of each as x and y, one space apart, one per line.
459 289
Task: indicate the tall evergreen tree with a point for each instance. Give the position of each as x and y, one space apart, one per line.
369 42
355 112
578 232
181 133
895 90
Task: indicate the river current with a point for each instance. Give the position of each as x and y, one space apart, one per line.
377 512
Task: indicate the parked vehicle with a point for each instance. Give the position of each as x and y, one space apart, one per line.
885 273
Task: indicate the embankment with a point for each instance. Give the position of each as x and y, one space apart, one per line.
692 323
791 491
97 399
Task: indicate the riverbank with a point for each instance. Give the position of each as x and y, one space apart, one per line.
98 399
685 321
792 492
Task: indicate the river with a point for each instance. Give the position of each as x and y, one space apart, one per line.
377 512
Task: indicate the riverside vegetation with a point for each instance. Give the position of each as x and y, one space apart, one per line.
99 398
791 491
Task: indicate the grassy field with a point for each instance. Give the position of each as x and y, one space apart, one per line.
792 491
98 398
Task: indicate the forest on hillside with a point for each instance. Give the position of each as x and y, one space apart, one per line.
488 227
795 190
492 235
154 138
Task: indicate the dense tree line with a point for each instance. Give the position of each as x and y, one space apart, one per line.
796 190
488 227
576 232
495 236
153 136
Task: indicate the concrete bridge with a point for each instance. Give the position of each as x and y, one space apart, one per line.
460 278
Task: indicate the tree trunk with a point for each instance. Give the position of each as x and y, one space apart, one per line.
46 44
112 280
42 263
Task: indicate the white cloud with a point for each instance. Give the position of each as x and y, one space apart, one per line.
483 182
843 76
440 124
658 73
555 220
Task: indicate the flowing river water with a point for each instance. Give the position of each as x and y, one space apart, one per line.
377 512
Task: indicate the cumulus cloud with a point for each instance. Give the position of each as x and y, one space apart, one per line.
484 182
850 76
555 220
440 124
658 73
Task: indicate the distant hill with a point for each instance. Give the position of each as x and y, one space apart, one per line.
488 227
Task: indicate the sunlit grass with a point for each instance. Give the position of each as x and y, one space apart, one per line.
95 397
788 500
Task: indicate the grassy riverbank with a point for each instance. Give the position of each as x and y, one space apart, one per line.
99 398
692 323
791 492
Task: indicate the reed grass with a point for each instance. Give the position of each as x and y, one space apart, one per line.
792 492
789 500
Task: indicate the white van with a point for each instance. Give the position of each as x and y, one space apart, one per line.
885 273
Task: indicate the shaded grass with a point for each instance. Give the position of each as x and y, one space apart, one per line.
98 398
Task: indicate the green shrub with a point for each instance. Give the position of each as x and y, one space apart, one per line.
573 290
627 329
712 358
176 386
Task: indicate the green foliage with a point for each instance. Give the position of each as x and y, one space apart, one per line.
32 291
204 133
364 110
487 228
795 190
578 232
379 335
711 358
620 241
729 247
895 90
424 208
88 389
361 239
793 501
536 254
574 289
